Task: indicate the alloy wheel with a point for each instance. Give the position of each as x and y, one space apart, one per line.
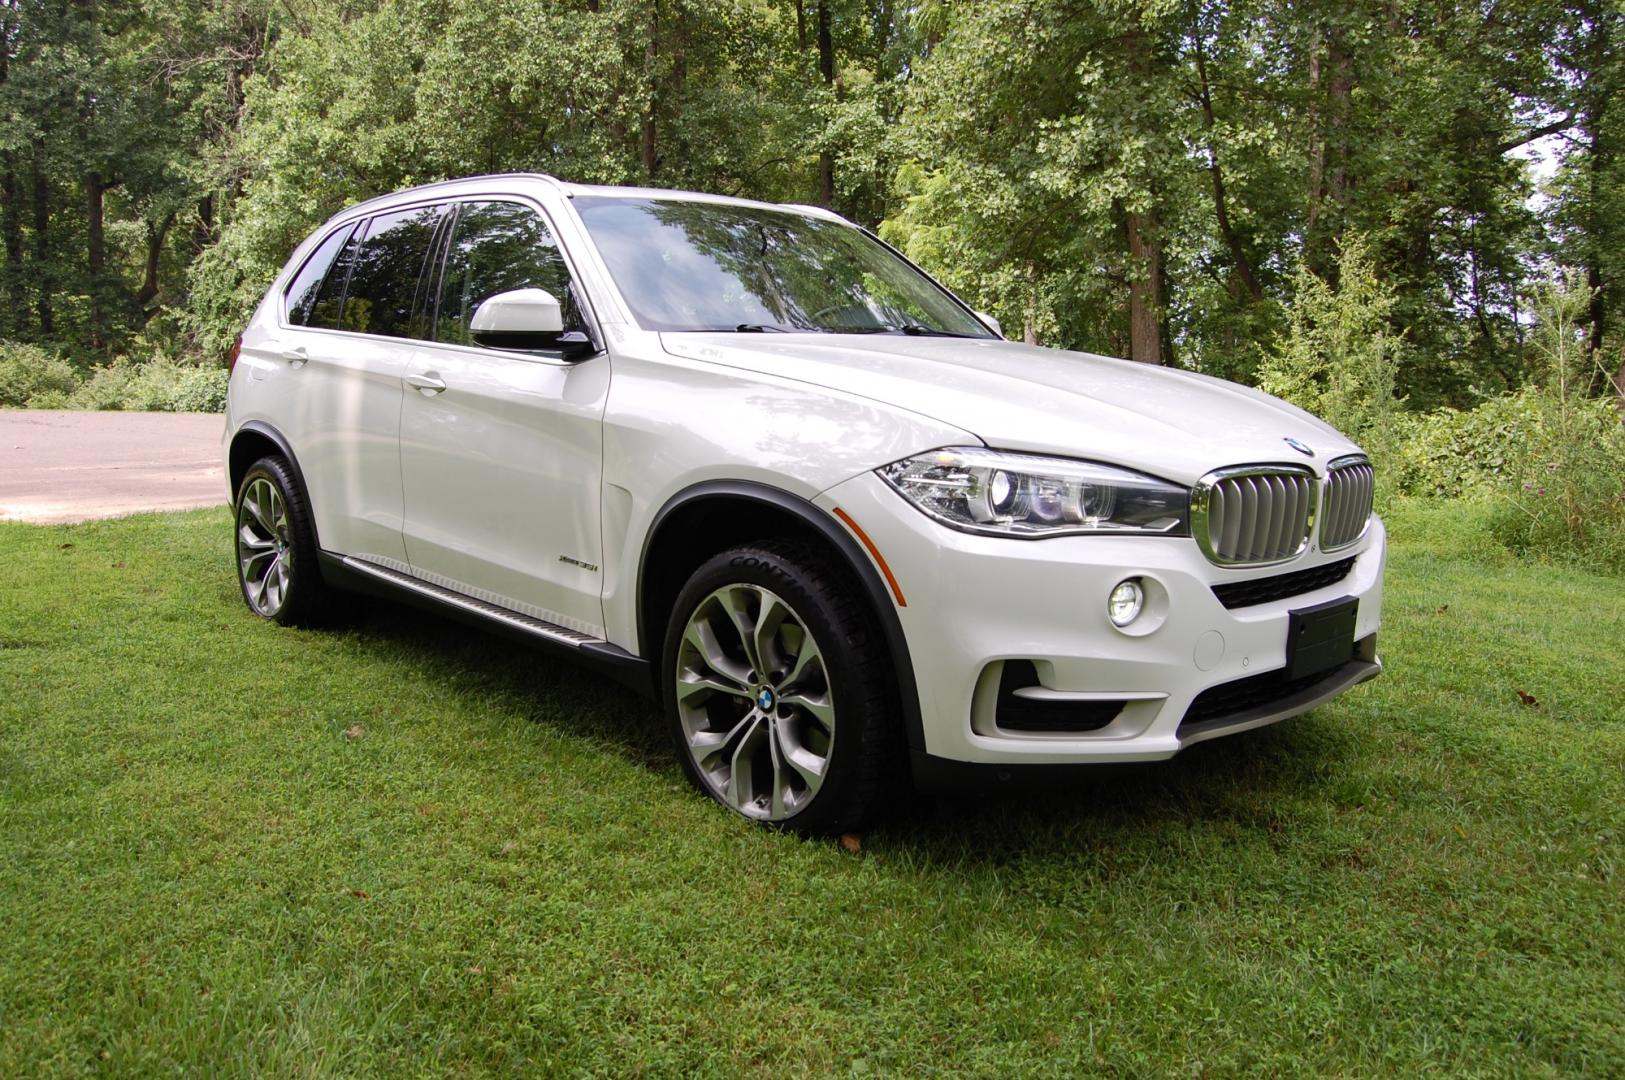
754 700
264 547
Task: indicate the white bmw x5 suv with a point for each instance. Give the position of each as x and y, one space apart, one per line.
749 458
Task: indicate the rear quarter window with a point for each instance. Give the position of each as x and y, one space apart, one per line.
307 283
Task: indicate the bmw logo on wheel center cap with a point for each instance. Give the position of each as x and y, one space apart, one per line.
764 700
1301 448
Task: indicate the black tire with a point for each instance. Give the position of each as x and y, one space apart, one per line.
857 686
300 597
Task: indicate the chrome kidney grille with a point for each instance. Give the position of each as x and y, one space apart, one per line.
1347 508
1254 514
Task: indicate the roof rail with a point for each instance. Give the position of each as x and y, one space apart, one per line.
452 180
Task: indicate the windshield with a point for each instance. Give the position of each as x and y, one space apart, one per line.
711 266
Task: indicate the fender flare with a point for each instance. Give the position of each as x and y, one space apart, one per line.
266 431
830 529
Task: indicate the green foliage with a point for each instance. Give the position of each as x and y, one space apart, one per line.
160 385
1570 490
1451 452
1548 456
31 376
1340 355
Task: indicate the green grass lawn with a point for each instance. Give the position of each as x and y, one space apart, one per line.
408 847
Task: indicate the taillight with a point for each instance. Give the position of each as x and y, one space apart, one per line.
236 351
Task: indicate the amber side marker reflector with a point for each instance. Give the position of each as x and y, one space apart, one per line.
880 560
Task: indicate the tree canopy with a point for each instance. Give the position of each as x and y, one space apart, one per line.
1160 179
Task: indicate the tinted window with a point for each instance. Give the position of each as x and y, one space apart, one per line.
302 291
715 266
496 247
330 297
384 282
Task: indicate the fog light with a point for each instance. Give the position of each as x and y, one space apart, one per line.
1125 602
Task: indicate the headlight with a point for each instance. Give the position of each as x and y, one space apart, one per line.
1024 495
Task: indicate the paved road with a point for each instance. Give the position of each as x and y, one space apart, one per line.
73 466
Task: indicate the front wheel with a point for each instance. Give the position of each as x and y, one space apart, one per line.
779 689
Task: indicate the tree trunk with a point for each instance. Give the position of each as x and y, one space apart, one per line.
1145 289
1317 138
1340 93
1221 208
156 235
1029 324
203 227
826 68
11 226
801 25
1339 99
96 247
1599 166
44 278
651 54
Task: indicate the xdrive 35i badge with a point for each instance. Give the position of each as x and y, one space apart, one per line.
1301 448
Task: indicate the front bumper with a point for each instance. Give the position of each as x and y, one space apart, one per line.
972 603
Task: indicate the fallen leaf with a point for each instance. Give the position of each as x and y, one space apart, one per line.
476 970
354 731
360 894
1443 608
119 565
852 842
65 547
1528 699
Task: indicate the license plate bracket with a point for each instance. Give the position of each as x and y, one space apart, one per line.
1320 638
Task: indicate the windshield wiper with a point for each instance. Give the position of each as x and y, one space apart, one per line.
911 329
916 330
759 328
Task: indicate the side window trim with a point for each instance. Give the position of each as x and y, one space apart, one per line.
357 226
357 237
454 212
425 302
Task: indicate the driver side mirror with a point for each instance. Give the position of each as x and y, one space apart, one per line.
526 319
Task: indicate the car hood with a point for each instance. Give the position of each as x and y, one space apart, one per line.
1166 421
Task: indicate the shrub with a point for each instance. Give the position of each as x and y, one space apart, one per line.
107 388
31 377
1339 355
160 385
1451 452
1566 491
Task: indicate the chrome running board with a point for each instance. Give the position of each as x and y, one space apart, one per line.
559 635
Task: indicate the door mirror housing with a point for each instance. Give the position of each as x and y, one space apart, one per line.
526 319
991 323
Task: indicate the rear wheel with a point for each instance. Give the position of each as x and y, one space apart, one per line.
276 548
779 689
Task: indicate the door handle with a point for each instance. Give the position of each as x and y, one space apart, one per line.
296 356
429 382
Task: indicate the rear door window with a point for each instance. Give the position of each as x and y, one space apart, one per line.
307 283
388 266
496 247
